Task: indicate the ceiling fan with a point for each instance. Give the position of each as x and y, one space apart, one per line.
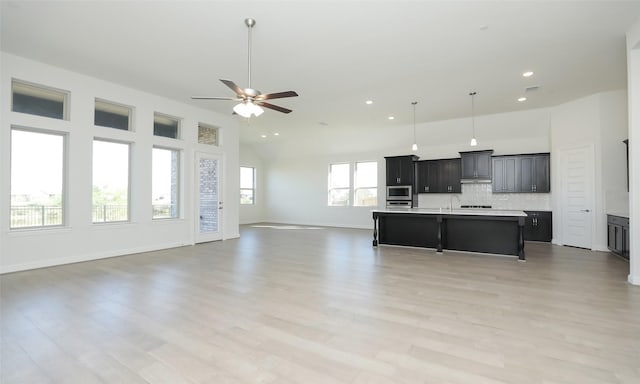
251 100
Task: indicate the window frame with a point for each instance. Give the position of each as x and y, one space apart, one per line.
356 188
129 108
129 180
164 116
351 189
347 188
178 210
253 184
44 91
64 206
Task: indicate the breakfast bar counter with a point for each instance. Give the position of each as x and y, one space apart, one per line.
491 231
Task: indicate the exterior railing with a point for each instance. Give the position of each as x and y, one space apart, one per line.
165 211
35 216
107 213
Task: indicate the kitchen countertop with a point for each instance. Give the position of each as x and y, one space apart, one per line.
618 213
455 211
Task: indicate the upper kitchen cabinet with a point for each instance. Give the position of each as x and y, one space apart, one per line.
400 170
476 166
428 176
533 173
504 173
449 176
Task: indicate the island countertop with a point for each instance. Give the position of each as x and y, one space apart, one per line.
455 211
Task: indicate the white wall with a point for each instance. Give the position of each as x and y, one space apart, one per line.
253 213
79 239
633 76
599 123
297 187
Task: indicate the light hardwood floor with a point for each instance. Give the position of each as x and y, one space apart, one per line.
323 306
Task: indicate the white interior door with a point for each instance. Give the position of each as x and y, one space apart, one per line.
208 197
577 199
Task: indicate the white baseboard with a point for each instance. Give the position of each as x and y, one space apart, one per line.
332 225
635 280
87 257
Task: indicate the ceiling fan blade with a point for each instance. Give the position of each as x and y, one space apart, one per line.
274 107
277 95
213 98
233 87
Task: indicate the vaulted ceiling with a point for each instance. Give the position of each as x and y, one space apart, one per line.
336 55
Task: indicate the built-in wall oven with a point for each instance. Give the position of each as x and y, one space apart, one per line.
399 196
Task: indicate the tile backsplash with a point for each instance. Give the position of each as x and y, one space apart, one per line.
481 194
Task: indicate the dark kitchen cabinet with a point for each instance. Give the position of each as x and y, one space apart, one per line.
538 226
618 235
438 176
476 165
428 176
533 173
504 173
400 170
449 176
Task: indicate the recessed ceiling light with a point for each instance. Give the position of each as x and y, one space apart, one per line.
521 99
483 27
527 74
276 134
390 117
369 102
263 136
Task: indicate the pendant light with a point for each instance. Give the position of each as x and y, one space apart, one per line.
473 142
414 147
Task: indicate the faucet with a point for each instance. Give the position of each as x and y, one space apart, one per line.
451 202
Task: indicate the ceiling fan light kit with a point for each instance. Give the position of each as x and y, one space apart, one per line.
251 101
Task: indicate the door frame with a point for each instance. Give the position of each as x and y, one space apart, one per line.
196 196
590 174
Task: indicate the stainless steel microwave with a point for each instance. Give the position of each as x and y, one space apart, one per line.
399 192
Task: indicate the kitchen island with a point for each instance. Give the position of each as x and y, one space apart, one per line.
474 230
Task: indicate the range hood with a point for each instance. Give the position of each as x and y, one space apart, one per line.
476 181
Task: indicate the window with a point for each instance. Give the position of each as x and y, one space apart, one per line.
112 115
110 181
207 134
38 100
165 183
339 184
166 126
247 185
37 179
366 184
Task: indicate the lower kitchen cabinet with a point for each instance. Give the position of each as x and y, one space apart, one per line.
538 226
618 235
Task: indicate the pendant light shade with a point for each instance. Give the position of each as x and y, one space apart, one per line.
473 142
414 147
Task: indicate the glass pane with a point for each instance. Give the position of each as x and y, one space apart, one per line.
246 177
366 197
207 135
246 196
165 126
366 174
36 100
165 180
208 195
111 115
110 181
339 176
37 177
339 197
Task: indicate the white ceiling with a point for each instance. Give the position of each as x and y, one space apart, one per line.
336 55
